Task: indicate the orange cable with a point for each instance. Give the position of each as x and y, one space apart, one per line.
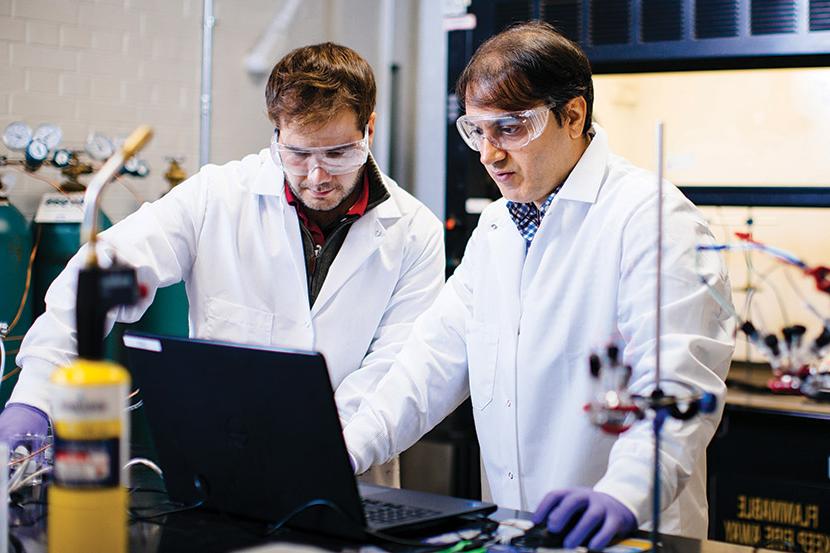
28 285
120 180
10 374
36 452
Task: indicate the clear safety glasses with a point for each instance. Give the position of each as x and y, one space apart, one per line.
334 160
505 131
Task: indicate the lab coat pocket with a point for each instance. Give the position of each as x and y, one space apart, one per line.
482 353
232 322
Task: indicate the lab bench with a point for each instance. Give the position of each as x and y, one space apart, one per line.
208 532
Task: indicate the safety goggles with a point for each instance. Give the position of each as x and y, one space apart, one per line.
505 131
334 160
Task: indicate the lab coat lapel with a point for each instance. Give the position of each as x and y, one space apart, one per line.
269 183
509 248
363 238
291 225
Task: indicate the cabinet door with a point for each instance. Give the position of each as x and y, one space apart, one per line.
769 480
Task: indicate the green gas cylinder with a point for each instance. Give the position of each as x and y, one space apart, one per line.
15 249
58 221
167 314
58 243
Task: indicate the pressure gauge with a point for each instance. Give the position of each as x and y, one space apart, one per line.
131 166
143 169
48 134
99 146
36 153
17 136
62 158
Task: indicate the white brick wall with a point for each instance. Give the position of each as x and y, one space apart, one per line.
110 65
74 85
38 80
105 66
74 37
46 10
12 29
41 32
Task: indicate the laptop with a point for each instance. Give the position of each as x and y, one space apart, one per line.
254 431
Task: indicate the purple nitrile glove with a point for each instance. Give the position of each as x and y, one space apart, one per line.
597 512
20 419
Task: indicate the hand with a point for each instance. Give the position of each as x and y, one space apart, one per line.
18 419
597 512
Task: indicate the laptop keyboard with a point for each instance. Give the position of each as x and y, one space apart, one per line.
381 512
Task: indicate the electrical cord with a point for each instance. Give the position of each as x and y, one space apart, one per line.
423 548
477 543
485 533
139 489
136 516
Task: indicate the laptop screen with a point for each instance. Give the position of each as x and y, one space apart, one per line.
247 430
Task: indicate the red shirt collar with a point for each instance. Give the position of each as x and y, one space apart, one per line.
358 209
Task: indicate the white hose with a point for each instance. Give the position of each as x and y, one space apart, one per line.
29 478
145 462
21 470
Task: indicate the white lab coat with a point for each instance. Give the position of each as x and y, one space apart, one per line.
514 330
229 233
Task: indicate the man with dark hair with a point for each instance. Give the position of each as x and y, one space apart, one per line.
564 262
305 246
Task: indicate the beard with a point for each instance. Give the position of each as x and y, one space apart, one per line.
341 197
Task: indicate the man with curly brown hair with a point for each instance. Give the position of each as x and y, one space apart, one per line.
305 245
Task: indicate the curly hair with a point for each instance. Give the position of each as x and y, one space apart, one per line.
312 84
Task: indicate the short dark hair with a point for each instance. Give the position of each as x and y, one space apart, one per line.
526 64
310 85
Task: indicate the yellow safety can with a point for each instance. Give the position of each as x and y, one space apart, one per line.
88 497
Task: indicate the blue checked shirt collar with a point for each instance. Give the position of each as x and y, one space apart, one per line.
528 218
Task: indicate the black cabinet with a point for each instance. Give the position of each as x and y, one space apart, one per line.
655 35
769 479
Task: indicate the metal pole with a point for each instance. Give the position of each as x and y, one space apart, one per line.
208 22
659 419
657 395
